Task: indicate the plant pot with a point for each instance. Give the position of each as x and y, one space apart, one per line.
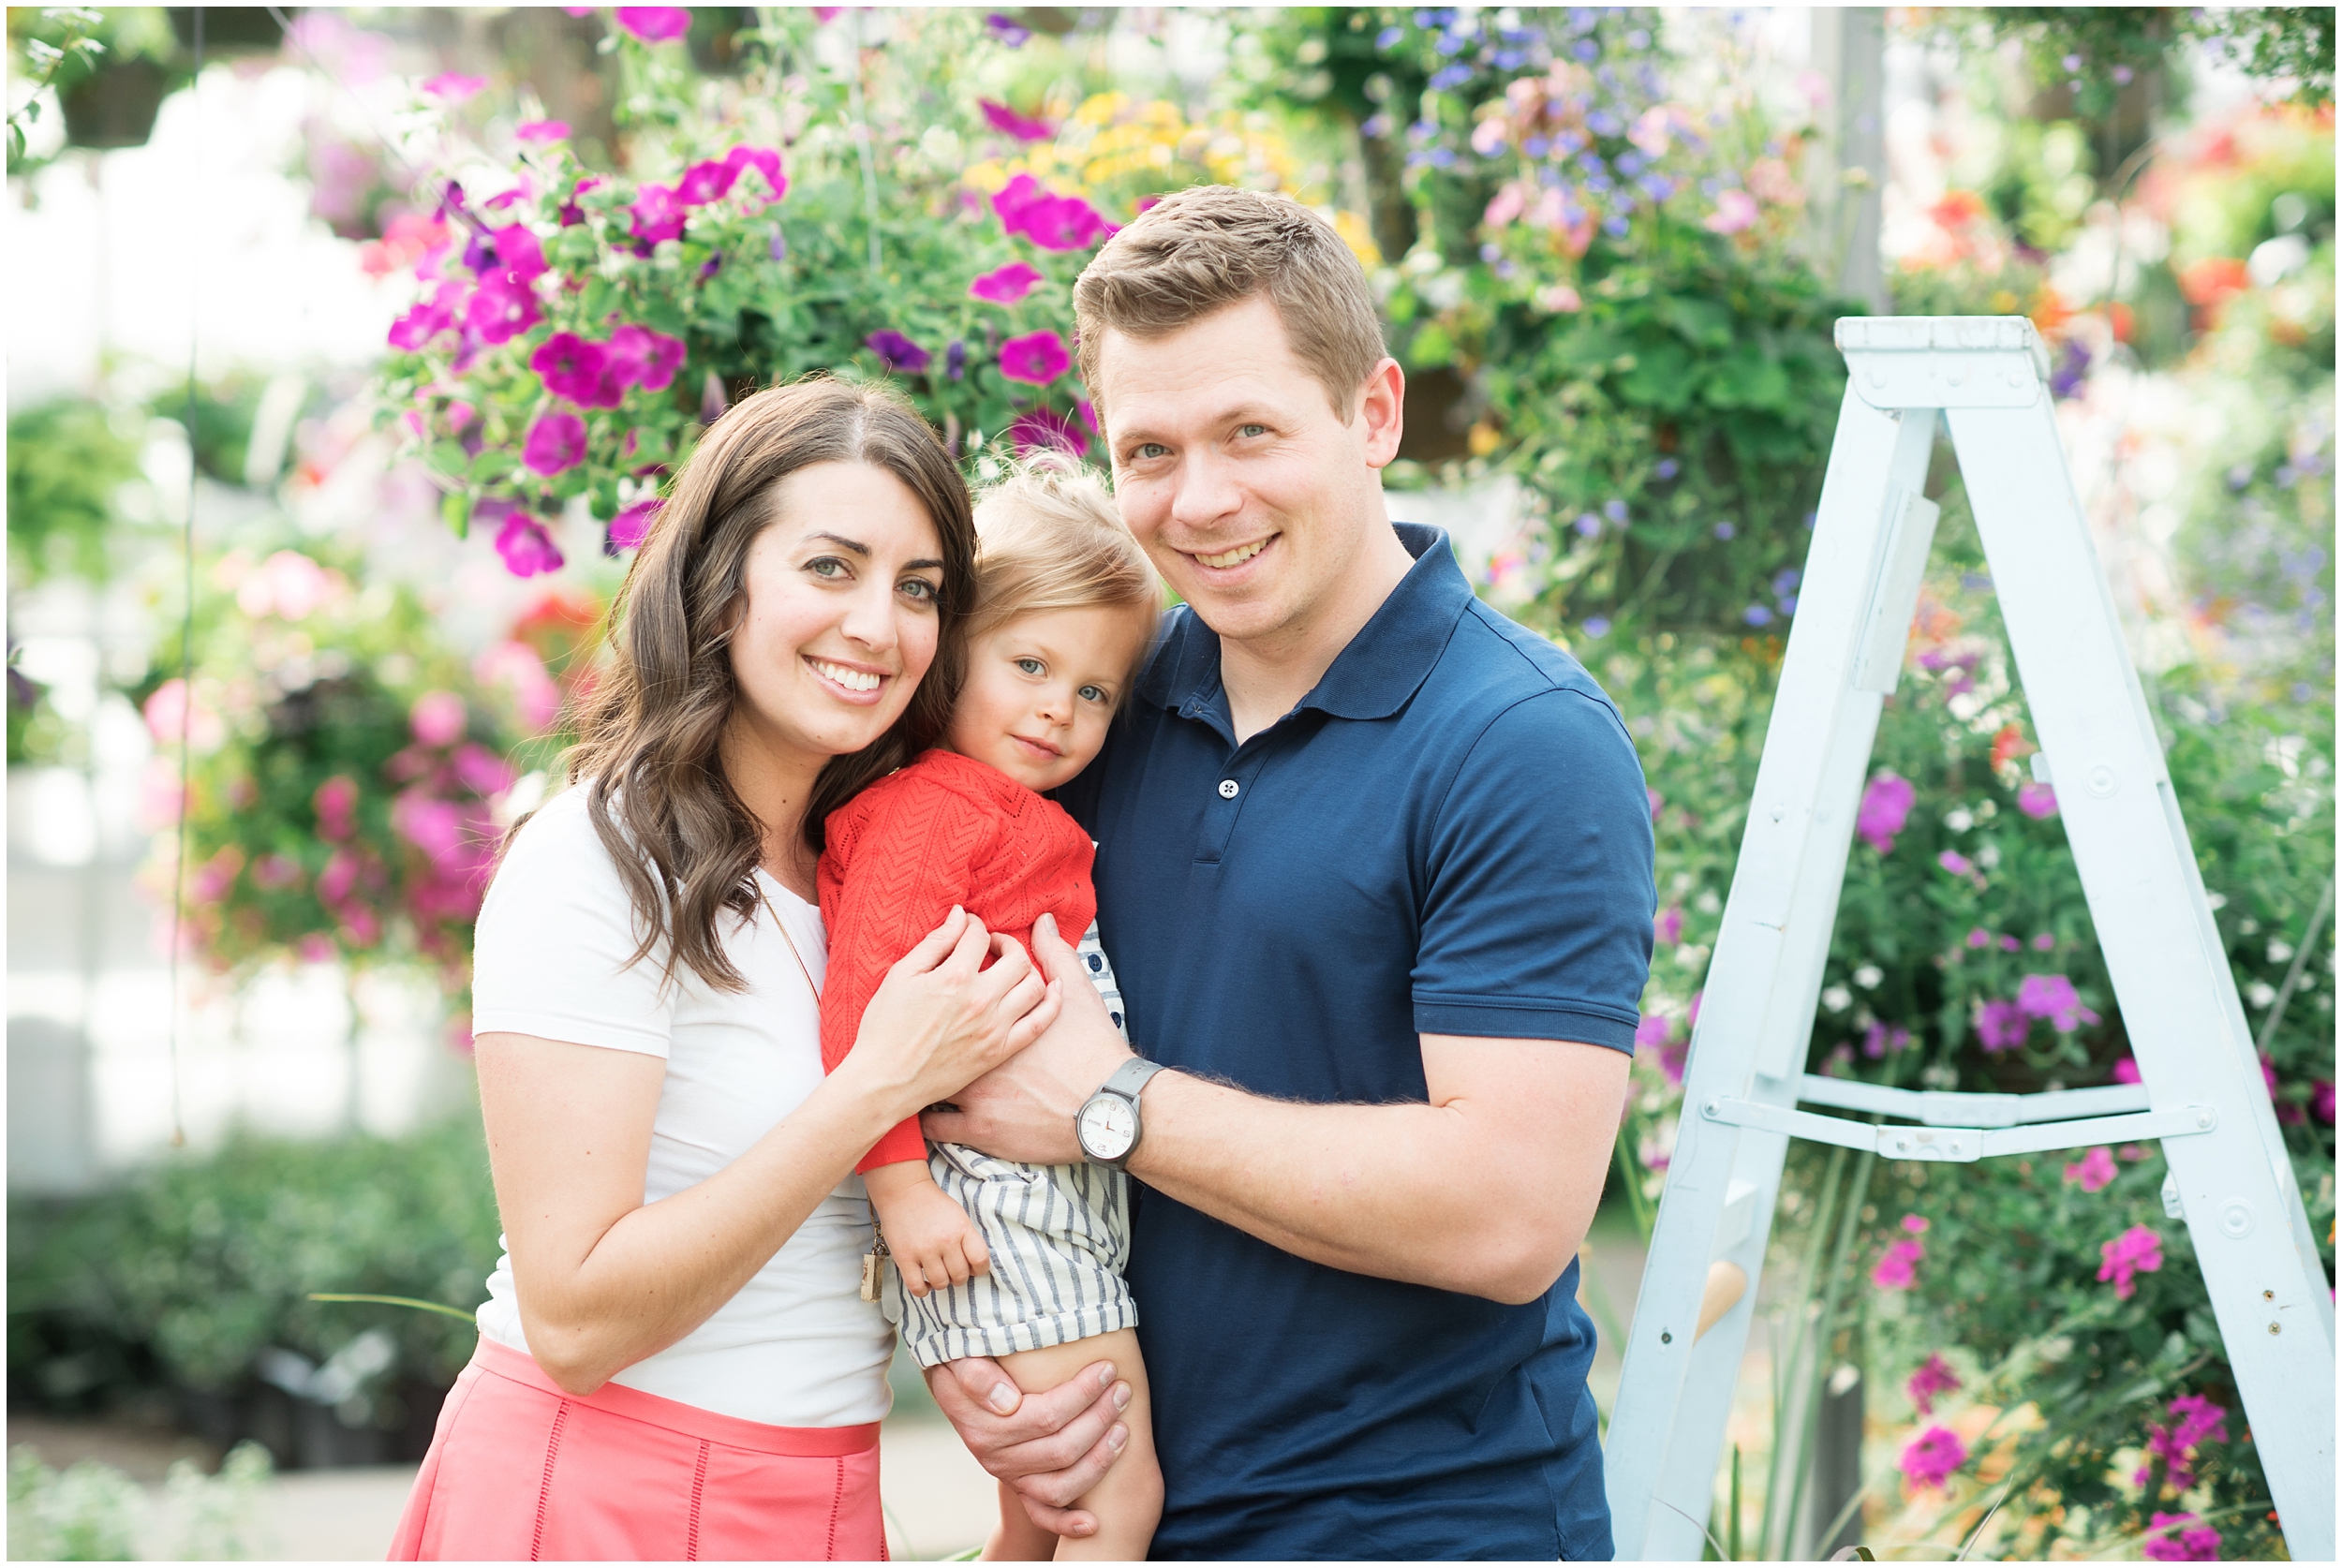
114 105
230 29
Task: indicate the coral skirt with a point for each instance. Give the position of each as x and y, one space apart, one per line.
519 1470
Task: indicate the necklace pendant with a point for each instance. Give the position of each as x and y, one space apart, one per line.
873 1263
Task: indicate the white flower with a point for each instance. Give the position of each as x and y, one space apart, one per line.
2280 952
2260 993
1989 856
1959 819
1868 977
2218 900
1837 999
1707 903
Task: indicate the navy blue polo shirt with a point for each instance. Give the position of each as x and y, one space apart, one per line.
1449 836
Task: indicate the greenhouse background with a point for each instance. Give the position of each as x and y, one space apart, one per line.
348 352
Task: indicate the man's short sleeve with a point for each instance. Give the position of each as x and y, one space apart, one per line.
1537 922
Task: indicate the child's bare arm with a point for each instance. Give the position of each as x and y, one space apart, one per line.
933 1242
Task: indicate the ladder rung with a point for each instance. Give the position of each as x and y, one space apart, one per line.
1940 1108
1962 1144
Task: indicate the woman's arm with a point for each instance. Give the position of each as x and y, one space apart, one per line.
604 1279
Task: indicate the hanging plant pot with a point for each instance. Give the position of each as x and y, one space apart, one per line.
114 105
231 29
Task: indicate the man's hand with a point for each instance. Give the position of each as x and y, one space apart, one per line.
1052 1446
1023 1109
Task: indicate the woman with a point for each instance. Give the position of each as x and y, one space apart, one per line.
676 1361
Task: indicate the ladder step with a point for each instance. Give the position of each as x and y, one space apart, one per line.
1959 1143
1940 1108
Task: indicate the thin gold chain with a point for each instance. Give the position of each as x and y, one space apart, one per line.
785 936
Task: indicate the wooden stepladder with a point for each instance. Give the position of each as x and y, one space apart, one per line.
2202 1092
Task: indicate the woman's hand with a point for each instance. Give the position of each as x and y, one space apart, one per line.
940 1019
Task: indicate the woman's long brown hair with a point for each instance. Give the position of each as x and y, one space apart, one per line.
685 845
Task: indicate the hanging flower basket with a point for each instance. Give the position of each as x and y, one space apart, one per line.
114 105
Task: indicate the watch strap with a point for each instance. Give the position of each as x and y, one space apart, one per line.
1130 1078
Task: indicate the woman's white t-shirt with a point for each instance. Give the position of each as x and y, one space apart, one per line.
797 1346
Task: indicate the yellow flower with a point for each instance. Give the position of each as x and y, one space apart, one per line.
1359 237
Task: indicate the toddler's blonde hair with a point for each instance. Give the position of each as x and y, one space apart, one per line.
1048 537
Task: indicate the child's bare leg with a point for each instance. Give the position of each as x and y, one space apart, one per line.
1129 1500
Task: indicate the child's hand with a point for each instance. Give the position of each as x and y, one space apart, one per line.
931 1238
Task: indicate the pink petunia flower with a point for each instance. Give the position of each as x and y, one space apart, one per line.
428 317
704 181
2094 1170
1897 1270
2168 1543
481 771
1005 285
452 87
2321 1099
2036 801
1915 1223
573 367
656 214
765 160
1051 222
1886 806
2126 1071
1934 1456
526 546
2002 1026
1040 428
336 806
502 308
515 666
1955 863
2137 1251
632 525
520 253
1667 927
641 356
1036 359
655 24
556 443
542 130
437 718
1023 127
1658 802
2051 996
1736 210
1934 1377
1654 1030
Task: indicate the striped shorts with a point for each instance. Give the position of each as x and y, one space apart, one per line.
1058 1236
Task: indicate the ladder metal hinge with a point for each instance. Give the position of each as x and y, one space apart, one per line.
1960 1144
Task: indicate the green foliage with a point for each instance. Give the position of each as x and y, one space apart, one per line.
202 1262
91 1512
69 459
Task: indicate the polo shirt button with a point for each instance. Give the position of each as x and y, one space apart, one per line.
1227 789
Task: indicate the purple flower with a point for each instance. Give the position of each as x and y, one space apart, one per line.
1955 863
1023 127
572 213
2167 1542
452 88
2002 1026
2010 944
1895 1270
704 181
897 352
1051 222
644 358
1008 30
572 369
2051 996
502 308
2137 1251
542 130
556 441
2071 370
1886 806
1933 1456
655 24
1036 359
765 161
2321 1099
2036 801
956 360
2043 942
1005 285
1979 938
526 546
2094 1170
1933 1378
632 525
1041 428
658 214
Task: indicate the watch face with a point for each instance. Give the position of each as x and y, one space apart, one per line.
1108 1126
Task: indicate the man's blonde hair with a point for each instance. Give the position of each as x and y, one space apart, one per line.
1211 247
1048 537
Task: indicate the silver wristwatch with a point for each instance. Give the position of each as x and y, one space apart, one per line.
1107 1125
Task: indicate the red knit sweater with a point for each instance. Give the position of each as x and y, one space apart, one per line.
946 830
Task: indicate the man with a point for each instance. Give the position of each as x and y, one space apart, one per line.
1374 871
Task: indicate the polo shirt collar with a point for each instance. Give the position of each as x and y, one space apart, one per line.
1370 678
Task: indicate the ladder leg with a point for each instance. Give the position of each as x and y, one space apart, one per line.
1757 1016
2187 1031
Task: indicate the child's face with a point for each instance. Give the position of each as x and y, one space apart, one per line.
1040 691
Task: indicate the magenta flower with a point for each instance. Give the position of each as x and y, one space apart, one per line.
655 24
1667 927
572 369
2321 1099
657 215
1736 210
428 317
1955 863
2002 1026
526 546
339 878
1036 359
542 130
1886 806
275 871
1654 1030
522 256
2201 1420
2036 801
434 826
556 442
481 771
2137 1251
1896 1270
2051 996
1915 1223
765 160
2043 942
1051 222
452 87
2168 1543
1658 802
704 181
2094 1170
1933 1378
1979 938
897 352
437 718
2126 1071
1038 428
1005 285
1933 1456
502 308
337 804
632 525
644 358
1023 127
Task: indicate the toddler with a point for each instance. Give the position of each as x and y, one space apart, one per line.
1021 1263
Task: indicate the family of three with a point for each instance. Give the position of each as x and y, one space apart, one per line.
922 885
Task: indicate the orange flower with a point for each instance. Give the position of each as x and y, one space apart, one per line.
2213 280
2008 745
